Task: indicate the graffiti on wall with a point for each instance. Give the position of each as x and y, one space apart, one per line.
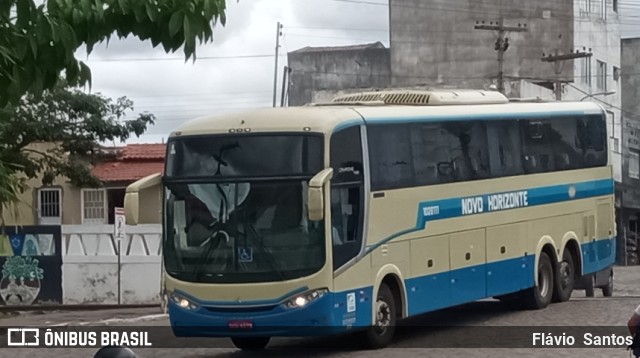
31 266
20 282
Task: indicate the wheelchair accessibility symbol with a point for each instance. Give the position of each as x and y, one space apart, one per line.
245 254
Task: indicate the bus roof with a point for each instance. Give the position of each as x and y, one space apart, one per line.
326 117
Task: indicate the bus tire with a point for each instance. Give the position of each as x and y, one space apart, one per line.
381 333
565 278
250 343
589 289
607 291
539 296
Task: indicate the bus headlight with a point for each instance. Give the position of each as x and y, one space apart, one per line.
304 299
182 302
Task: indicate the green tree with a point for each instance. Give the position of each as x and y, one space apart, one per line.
38 42
73 122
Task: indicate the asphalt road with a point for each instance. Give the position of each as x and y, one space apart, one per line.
411 338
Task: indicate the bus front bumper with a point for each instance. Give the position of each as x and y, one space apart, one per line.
325 315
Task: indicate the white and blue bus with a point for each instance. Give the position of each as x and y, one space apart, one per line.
351 215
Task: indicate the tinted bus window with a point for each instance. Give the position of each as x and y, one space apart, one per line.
244 156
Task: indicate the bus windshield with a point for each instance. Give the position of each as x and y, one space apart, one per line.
247 155
235 218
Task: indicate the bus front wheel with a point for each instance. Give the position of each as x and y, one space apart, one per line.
250 343
381 333
539 296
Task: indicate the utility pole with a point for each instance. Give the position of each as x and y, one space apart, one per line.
501 44
558 63
275 75
285 78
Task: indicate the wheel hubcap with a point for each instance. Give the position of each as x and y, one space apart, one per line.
543 281
383 316
565 274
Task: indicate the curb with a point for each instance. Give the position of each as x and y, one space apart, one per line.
17 310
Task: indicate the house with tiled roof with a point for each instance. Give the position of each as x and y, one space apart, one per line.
131 163
65 204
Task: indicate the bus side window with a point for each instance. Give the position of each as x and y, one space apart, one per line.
537 156
504 147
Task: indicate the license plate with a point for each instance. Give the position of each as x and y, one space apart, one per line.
240 324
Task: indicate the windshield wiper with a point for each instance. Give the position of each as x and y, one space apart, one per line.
257 239
204 259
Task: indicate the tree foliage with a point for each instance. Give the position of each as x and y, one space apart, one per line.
73 123
38 42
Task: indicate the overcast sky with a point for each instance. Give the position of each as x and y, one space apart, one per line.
222 79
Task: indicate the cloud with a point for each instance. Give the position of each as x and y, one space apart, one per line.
176 91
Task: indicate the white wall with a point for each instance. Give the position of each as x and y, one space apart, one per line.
94 273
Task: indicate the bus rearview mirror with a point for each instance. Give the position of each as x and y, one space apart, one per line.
131 208
315 197
132 197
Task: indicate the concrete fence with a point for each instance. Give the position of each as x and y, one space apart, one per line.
97 269
49 265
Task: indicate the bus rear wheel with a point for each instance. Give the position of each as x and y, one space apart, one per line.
250 343
607 291
564 279
539 296
381 333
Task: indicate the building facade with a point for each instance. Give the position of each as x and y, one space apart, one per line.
630 213
65 204
317 72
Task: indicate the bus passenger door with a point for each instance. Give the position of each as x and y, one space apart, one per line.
347 196
468 266
589 254
604 245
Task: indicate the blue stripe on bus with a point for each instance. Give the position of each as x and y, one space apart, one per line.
332 313
453 208
449 288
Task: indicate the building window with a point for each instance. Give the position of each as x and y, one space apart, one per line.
634 165
49 206
615 5
94 206
597 7
586 71
585 6
601 75
616 73
615 131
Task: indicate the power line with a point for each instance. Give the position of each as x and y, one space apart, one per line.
179 58
336 28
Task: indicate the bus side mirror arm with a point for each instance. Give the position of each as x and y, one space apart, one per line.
315 197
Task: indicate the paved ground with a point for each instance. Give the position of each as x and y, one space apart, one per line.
410 340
